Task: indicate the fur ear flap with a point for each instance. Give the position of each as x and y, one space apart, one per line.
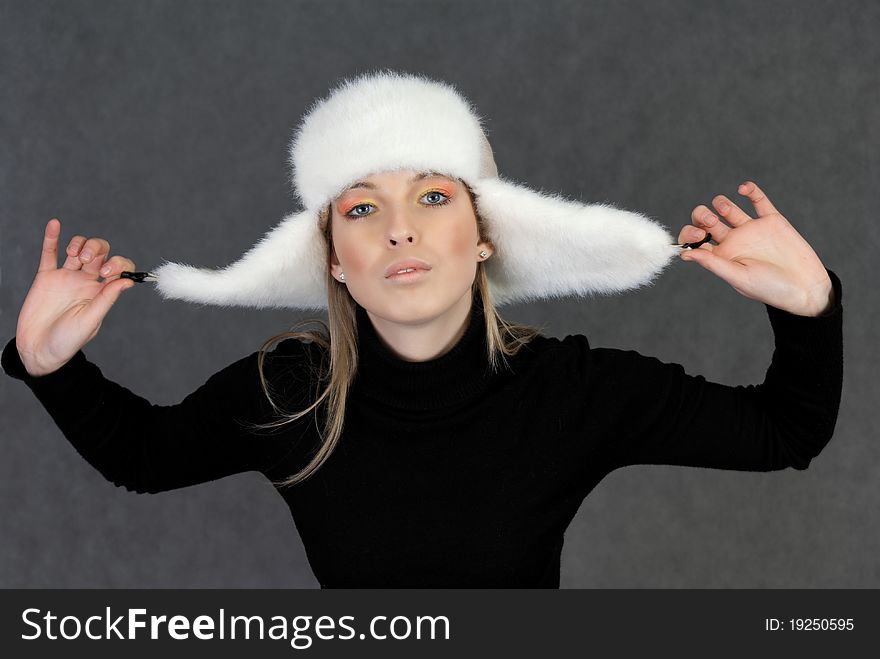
285 269
548 246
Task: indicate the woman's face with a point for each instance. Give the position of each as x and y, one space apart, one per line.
389 217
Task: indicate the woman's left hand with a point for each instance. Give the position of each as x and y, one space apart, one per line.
764 259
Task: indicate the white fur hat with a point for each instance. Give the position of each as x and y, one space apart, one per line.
545 246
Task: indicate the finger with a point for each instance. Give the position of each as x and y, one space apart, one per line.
99 305
73 249
115 266
735 215
759 200
93 254
706 219
49 254
691 234
686 253
733 272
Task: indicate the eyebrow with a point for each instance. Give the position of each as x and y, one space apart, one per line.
417 177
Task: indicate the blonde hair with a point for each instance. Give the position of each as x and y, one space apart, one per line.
340 342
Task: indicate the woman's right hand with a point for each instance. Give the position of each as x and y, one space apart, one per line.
65 306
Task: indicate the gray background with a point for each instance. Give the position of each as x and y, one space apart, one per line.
164 127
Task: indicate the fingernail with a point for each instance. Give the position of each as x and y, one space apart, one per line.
709 220
105 270
723 207
86 256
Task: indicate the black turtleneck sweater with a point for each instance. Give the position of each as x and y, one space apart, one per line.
449 475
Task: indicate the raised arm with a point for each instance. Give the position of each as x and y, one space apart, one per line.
145 447
151 448
659 414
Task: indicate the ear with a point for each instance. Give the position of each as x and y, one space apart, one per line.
335 267
487 246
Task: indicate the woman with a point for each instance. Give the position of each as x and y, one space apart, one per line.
426 442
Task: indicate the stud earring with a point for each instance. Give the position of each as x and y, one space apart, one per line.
342 276
484 254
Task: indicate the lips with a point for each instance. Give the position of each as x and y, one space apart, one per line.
405 264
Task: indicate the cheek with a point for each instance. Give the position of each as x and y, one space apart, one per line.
350 255
461 243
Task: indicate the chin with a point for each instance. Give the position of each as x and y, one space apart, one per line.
414 307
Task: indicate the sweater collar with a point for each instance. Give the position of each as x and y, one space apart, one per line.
460 374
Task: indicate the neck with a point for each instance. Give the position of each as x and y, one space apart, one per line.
457 373
424 340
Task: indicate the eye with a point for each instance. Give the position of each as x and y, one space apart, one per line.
354 212
434 198
437 198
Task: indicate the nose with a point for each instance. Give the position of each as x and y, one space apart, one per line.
408 238
401 229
